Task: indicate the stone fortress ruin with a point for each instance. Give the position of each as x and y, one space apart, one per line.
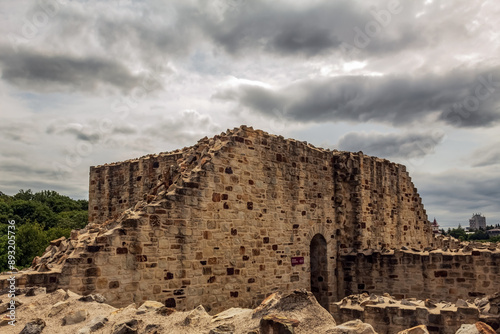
236 217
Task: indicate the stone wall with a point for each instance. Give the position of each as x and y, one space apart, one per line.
393 317
371 193
443 275
228 221
116 187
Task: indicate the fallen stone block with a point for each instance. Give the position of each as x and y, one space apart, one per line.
70 294
34 327
421 329
94 324
273 324
352 327
4 320
165 311
75 317
223 329
477 328
196 316
35 291
150 305
124 329
57 307
97 297
407 303
129 327
430 304
57 242
5 306
153 329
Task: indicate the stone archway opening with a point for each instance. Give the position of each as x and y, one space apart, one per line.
319 269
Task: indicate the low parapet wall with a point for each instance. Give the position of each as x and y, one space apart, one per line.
388 315
441 274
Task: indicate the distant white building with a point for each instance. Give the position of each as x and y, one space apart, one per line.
494 232
477 222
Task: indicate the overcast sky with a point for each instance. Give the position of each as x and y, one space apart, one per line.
89 82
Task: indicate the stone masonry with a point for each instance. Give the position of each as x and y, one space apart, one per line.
232 219
446 275
389 315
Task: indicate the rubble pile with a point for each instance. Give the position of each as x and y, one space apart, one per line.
190 162
66 312
297 312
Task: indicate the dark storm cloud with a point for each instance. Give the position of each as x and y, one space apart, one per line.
148 33
124 130
274 28
149 39
37 71
246 27
461 193
290 29
402 145
461 98
89 132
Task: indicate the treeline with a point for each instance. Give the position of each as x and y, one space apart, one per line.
39 218
478 235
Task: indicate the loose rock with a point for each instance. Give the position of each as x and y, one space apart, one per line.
165 311
35 291
5 306
275 324
223 329
407 303
129 327
477 328
57 307
75 317
150 305
421 329
196 316
97 297
34 327
352 327
95 324
153 329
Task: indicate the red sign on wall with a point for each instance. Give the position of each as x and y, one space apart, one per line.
297 260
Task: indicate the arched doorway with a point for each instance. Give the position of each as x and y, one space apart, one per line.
319 269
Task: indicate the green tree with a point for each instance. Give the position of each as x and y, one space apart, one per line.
56 202
73 219
458 233
4 253
33 211
479 235
57 232
31 240
6 211
40 217
24 195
